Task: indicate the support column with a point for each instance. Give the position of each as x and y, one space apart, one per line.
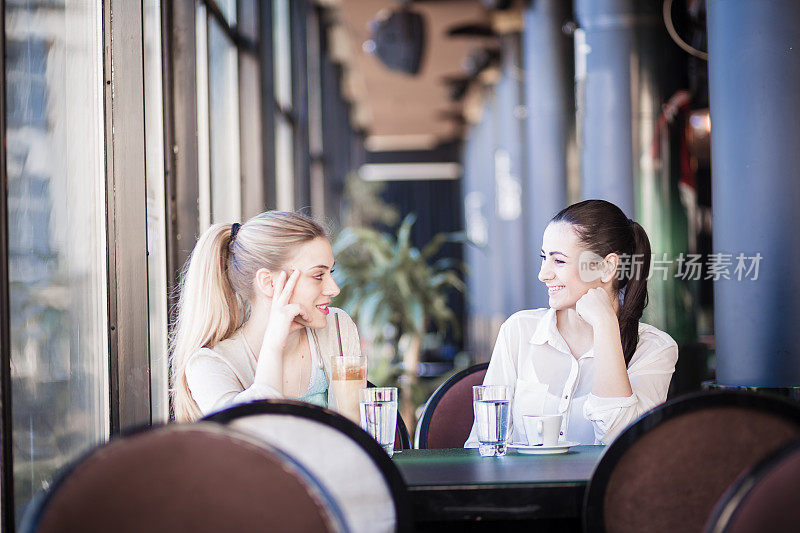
508 153
548 63
754 80
483 295
605 113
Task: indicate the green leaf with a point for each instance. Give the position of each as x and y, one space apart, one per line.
366 312
417 315
404 233
432 247
344 240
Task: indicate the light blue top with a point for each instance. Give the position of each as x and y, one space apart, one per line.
317 393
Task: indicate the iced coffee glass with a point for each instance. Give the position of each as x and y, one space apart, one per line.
348 376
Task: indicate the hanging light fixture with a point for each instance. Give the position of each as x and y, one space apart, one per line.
398 39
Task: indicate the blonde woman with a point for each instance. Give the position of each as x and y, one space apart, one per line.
254 318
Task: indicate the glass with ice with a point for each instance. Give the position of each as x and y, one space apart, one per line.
348 376
379 415
492 408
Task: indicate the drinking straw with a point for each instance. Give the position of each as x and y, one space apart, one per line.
339 334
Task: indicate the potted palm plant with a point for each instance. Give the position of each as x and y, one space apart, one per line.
386 281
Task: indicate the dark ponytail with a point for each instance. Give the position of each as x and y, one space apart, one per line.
603 228
634 287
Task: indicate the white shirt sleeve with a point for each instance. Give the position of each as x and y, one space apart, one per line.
649 375
502 371
214 384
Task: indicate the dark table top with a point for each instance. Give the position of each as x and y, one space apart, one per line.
460 466
459 484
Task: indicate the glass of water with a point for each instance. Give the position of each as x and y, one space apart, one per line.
378 406
492 407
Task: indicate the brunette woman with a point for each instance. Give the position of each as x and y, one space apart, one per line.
587 356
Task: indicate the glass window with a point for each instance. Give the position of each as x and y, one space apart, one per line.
314 92
219 170
203 141
284 155
156 213
283 53
228 9
223 100
283 164
250 114
57 241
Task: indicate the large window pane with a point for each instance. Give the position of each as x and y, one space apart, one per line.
314 92
228 9
223 98
57 257
156 215
284 171
203 157
250 116
282 47
284 133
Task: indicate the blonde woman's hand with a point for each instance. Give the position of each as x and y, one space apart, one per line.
596 308
282 314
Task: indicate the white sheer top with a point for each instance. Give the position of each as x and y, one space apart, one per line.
532 357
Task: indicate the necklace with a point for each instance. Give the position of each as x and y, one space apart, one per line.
303 349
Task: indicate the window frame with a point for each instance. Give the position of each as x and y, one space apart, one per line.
298 39
180 138
7 477
128 327
269 106
284 117
250 130
129 402
245 45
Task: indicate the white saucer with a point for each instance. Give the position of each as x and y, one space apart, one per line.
561 447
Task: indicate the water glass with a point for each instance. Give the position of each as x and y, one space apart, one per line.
378 407
492 407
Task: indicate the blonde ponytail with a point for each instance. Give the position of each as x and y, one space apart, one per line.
217 284
208 311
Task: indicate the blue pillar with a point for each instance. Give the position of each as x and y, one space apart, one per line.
483 299
605 112
548 61
754 83
510 267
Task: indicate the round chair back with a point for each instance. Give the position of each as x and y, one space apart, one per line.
666 471
197 478
764 499
352 466
447 417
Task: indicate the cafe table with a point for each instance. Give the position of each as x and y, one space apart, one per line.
452 485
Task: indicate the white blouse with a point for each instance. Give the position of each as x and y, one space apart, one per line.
532 358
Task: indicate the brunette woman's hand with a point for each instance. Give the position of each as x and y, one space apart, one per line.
597 308
282 314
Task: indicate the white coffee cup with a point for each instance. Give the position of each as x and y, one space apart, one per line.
542 430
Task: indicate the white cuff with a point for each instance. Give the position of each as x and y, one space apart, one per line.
257 391
595 406
605 414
